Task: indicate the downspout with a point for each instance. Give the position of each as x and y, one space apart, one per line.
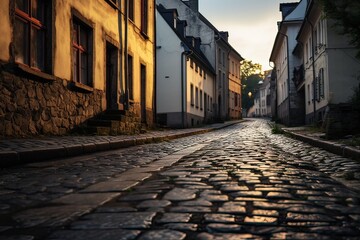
155 70
184 54
288 67
126 70
313 66
120 82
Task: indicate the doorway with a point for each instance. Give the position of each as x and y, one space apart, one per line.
111 76
143 93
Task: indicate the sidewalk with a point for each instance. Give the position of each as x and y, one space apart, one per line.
22 151
316 139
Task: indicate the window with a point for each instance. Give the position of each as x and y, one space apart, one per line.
192 95
29 33
204 75
144 16
196 68
82 35
197 97
201 100
219 56
236 99
219 78
191 63
224 59
130 74
321 83
131 10
208 101
211 104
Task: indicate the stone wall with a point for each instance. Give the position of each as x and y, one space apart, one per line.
29 107
341 120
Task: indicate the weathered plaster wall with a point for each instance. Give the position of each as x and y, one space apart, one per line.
6 31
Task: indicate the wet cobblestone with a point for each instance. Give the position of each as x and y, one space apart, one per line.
237 183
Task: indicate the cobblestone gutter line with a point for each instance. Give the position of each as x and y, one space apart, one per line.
42 153
336 148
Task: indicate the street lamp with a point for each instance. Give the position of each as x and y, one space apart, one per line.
249 94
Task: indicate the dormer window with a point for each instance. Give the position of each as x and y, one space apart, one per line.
193 42
175 21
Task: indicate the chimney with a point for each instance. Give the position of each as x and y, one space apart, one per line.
193 4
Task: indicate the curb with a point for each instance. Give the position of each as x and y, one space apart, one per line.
336 148
12 158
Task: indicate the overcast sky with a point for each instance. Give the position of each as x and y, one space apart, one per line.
252 25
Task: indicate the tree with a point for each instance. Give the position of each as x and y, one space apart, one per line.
346 14
251 74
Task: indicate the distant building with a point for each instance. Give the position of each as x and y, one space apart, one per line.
216 48
185 78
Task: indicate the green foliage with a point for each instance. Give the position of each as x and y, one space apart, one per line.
346 15
276 129
251 74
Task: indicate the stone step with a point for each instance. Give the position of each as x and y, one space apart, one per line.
103 123
101 131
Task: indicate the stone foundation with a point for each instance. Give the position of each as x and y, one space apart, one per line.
33 107
341 120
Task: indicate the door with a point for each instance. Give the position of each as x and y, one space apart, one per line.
143 93
111 76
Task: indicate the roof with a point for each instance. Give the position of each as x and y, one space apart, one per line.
196 52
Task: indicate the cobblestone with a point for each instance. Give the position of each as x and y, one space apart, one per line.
241 182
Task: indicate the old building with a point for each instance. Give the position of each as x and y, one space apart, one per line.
67 61
289 105
214 45
235 106
329 71
185 78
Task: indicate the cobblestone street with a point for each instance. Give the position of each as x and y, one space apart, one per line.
240 182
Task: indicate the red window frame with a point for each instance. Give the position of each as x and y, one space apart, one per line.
32 22
80 52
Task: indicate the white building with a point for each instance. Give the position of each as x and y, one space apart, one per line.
214 45
290 109
185 78
329 63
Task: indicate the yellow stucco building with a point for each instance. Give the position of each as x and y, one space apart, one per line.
64 62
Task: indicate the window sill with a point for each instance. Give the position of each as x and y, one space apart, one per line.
82 87
41 76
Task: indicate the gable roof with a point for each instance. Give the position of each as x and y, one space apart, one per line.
187 40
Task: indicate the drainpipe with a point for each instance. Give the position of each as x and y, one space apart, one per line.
184 55
126 72
155 71
313 65
288 78
121 63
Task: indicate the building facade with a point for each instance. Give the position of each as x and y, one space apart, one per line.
235 106
214 46
63 63
289 106
331 70
185 79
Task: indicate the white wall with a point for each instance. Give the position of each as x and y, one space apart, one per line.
168 67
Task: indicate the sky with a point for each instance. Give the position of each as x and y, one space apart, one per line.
252 25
